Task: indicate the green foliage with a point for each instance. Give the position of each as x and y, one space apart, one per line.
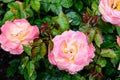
12 69
35 4
98 39
108 53
6 1
27 50
78 5
56 8
30 68
68 5
101 62
62 20
118 30
91 35
8 16
74 18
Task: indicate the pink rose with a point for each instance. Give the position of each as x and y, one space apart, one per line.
14 34
118 40
110 10
71 51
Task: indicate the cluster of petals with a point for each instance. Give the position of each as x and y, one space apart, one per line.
15 34
71 51
110 10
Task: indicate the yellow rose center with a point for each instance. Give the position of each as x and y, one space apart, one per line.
115 4
20 35
70 50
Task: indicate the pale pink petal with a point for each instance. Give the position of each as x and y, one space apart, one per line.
17 51
118 40
33 33
9 45
51 58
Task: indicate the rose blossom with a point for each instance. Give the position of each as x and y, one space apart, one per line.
110 10
118 40
71 51
14 34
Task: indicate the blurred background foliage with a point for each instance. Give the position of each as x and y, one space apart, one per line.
54 17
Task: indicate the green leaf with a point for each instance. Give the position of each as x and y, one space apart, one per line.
17 9
98 39
66 3
24 62
43 49
91 35
26 3
95 8
102 62
27 49
98 69
13 67
55 1
33 76
51 44
108 44
66 77
46 7
35 4
84 28
63 22
46 1
118 30
77 77
89 11
30 68
56 8
91 77
37 42
78 5
116 60
108 53
74 18
109 37
55 32
109 70
35 51
29 12
7 1
37 58
14 5
9 16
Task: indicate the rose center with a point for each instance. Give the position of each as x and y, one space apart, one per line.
115 4
70 50
20 35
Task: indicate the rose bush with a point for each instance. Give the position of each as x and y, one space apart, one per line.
71 39
15 34
71 51
110 10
